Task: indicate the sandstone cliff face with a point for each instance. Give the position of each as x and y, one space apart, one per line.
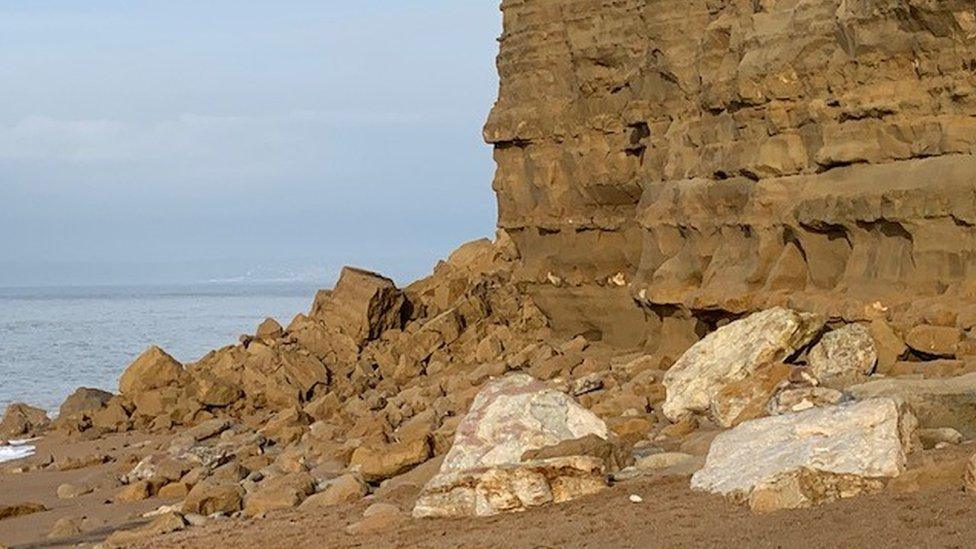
731 155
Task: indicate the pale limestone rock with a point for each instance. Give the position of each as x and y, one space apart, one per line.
844 356
510 487
801 488
867 439
947 402
733 353
483 473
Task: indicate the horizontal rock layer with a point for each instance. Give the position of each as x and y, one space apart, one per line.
732 155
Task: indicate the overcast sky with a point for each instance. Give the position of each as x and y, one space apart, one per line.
148 141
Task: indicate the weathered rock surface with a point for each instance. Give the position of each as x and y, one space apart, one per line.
484 474
800 459
21 420
84 399
687 155
936 402
844 356
731 354
153 369
362 305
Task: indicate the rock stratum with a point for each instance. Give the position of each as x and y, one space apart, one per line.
734 256
699 156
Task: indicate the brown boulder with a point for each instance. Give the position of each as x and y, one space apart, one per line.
84 399
279 493
269 329
23 420
934 340
214 496
113 417
363 305
377 462
153 369
345 489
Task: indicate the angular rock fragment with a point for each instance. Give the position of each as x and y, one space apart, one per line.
153 369
844 356
733 353
800 459
362 305
21 420
483 473
84 399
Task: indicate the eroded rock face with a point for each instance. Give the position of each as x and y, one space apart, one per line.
802 458
484 472
731 354
685 153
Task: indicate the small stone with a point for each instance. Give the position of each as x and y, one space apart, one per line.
137 491
65 528
634 498
933 437
69 491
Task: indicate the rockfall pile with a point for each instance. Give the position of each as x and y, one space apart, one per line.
736 239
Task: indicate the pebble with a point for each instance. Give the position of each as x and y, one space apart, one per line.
634 498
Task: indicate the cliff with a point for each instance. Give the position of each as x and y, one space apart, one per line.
666 160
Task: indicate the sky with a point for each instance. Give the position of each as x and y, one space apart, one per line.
184 141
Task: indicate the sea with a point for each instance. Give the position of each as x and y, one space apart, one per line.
54 340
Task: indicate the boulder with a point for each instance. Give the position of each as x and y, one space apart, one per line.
344 489
278 493
935 340
363 305
84 399
844 356
153 369
800 459
889 346
113 417
269 329
21 420
733 353
483 473
949 402
214 495
379 462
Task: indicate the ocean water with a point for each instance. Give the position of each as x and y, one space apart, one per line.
53 340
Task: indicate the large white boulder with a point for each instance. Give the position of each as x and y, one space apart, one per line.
734 353
839 450
483 473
